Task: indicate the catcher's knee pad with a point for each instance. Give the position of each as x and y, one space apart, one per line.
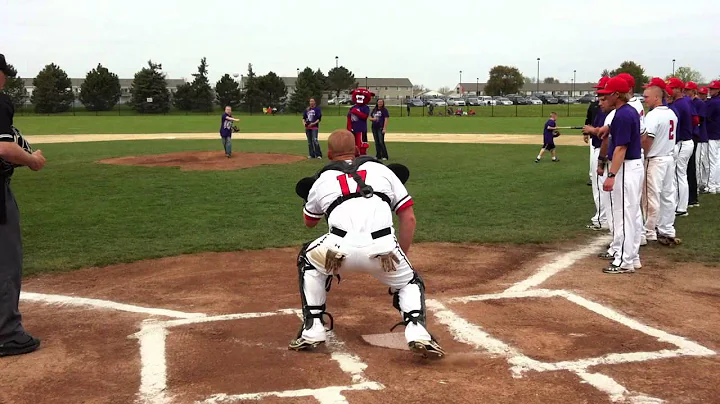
305 265
413 316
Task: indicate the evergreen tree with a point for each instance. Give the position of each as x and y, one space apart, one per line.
308 85
340 79
53 91
202 93
227 92
251 96
149 83
271 90
101 89
183 97
15 88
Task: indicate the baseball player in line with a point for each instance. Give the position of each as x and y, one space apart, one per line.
684 142
713 128
625 169
701 147
358 197
599 220
658 194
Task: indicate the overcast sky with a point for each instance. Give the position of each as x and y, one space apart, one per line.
427 41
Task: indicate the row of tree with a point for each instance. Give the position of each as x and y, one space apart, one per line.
149 93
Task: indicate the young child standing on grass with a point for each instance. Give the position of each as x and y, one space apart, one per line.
549 138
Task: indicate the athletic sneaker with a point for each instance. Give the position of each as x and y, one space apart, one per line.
613 269
426 349
606 256
678 214
593 226
694 205
301 344
556 160
23 344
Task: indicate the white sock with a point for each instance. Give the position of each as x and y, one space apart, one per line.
538 157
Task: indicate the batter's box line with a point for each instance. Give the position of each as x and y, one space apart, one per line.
471 334
153 380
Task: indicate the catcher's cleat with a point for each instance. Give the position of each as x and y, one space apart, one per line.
426 349
301 344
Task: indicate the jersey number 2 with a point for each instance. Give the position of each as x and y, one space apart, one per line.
672 130
343 179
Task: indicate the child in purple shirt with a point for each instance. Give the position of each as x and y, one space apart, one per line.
549 138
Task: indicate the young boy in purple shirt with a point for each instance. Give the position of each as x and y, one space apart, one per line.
626 168
548 138
311 119
226 128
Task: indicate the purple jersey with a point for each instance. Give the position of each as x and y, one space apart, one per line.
713 118
548 133
359 124
625 131
225 125
598 122
380 115
684 110
701 109
312 115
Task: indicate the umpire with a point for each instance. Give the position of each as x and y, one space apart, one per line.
13 338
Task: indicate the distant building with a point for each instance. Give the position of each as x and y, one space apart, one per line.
580 89
125 85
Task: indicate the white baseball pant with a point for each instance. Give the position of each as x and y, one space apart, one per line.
658 198
683 152
600 217
606 200
701 164
360 252
627 221
714 166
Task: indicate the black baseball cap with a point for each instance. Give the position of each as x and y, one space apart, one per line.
4 66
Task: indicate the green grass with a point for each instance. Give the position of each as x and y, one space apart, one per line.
77 213
54 125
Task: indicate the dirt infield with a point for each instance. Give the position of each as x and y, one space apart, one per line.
568 140
204 160
520 324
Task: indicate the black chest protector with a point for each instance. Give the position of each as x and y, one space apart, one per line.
364 190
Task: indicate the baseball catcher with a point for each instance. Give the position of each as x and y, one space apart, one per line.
358 196
357 118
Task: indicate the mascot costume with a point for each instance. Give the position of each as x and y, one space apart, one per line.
357 117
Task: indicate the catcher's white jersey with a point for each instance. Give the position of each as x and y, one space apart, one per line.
361 215
661 125
635 103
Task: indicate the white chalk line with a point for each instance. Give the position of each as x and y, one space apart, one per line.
153 366
227 317
326 395
564 261
103 304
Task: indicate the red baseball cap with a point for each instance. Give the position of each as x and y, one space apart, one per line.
615 85
715 85
656 82
673 83
627 77
691 85
703 90
602 82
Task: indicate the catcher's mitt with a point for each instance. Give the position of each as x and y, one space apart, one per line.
556 133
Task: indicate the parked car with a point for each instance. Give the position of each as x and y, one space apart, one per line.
503 101
566 99
473 101
517 99
486 100
587 99
533 100
456 101
438 102
414 102
639 97
547 98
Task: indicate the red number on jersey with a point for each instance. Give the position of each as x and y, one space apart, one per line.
672 130
344 187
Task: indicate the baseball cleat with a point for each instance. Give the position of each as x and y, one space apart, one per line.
678 214
301 344
593 227
694 205
613 269
426 349
668 241
606 256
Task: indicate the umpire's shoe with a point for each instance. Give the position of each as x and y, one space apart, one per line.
22 344
427 349
301 344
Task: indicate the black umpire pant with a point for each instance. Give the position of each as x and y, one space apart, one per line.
692 176
10 268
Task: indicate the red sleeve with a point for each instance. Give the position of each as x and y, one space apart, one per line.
696 120
405 205
310 218
359 114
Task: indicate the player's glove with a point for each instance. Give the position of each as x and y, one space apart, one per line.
556 133
235 129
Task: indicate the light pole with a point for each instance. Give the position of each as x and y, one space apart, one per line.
574 81
477 87
366 86
673 67
336 62
460 84
538 75
298 71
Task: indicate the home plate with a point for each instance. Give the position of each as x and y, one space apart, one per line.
393 340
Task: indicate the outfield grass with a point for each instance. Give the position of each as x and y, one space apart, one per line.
54 125
77 213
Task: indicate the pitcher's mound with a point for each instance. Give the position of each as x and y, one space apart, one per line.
204 160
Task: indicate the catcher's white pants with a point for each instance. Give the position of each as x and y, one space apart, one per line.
714 166
627 220
683 152
360 251
658 197
702 165
601 206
